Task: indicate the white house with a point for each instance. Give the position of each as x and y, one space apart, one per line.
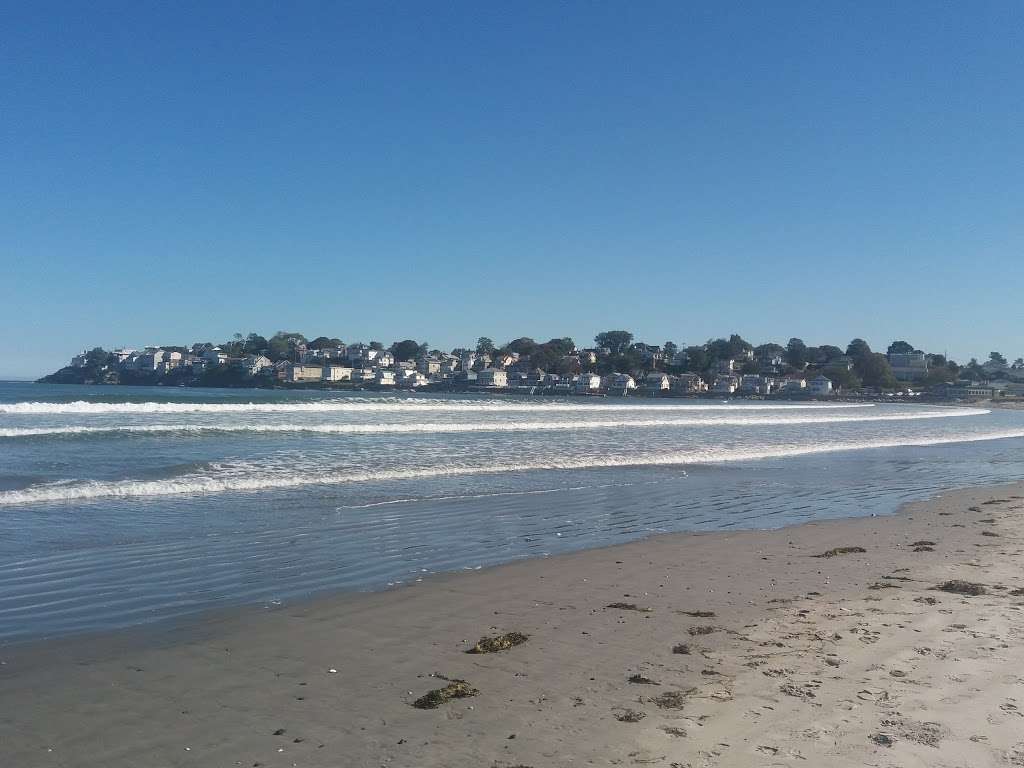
587 383
384 378
620 384
337 373
303 374
820 386
492 377
256 364
657 382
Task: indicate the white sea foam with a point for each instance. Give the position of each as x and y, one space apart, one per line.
500 426
394 405
241 481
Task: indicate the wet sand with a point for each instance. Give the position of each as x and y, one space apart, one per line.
725 649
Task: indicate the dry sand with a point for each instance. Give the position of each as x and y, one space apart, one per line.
848 660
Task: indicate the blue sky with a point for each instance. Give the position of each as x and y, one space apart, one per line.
175 172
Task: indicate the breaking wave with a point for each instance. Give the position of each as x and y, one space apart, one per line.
507 426
197 483
392 405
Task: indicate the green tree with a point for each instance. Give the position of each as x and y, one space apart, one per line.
484 346
617 341
857 349
697 359
796 353
997 359
405 350
843 379
875 371
377 345
671 349
255 344
523 345
900 348
281 345
323 342
738 346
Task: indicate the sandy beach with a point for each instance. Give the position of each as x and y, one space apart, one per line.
725 649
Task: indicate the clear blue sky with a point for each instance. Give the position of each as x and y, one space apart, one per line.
174 172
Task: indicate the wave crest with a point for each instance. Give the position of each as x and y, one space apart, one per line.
242 482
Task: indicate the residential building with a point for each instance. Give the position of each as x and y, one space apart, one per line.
820 386
587 384
492 377
752 384
619 384
296 373
726 384
337 373
688 384
255 364
428 366
657 383
794 385
215 357
909 366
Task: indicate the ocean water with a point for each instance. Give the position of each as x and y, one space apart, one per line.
122 505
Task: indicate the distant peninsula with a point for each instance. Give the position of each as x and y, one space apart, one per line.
616 365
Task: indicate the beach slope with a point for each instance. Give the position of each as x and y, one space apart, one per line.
890 641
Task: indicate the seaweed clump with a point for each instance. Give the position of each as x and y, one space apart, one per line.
670 700
499 643
703 630
629 607
961 587
836 551
681 648
629 716
641 680
456 689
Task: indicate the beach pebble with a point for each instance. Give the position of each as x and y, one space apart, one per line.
332 671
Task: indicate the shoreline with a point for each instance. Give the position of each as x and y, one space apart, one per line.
157 631
216 690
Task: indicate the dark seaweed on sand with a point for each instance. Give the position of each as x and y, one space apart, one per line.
671 699
703 630
641 680
456 689
961 587
629 716
629 607
499 643
842 551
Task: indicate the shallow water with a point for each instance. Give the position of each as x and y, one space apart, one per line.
123 505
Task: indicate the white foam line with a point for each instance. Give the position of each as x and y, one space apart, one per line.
511 426
207 484
440 406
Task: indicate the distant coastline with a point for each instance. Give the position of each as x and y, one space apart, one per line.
616 365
